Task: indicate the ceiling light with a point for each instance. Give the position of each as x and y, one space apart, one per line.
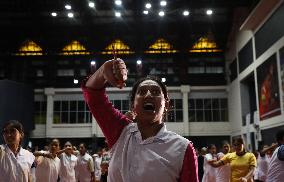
164 80
209 12
93 63
185 13
145 12
70 15
75 81
117 14
54 14
148 5
67 6
161 13
118 2
163 3
139 62
91 4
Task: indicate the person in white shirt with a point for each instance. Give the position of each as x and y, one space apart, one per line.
85 165
263 159
209 171
276 164
15 162
97 161
68 162
48 164
223 173
143 151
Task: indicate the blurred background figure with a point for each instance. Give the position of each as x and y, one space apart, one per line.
85 165
209 171
48 164
15 162
200 160
276 164
68 161
223 173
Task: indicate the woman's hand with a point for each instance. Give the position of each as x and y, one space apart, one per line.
115 72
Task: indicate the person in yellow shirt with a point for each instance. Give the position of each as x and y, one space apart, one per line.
242 163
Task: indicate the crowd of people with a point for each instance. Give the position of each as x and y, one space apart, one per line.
50 164
236 164
141 147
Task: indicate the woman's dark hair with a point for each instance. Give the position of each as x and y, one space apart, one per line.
155 79
211 146
225 142
280 136
14 124
84 144
240 140
55 140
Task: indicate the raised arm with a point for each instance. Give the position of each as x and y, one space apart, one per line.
215 163
110 120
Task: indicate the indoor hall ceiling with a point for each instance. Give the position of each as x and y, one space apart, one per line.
96 26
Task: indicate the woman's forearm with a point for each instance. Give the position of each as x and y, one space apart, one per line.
250 173
97 80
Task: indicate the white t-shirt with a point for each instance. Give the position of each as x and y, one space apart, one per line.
262 168
209 171
15 168
275 169
67 168
98 172
84 167
137 160
47 169
223 173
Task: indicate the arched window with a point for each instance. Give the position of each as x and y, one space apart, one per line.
204 44
74 48
119 46
161 46
30 48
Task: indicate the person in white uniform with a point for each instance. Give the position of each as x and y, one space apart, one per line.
48 164
68 162
209 171
223 173
85 165
15 162
276 164
97 163
144 151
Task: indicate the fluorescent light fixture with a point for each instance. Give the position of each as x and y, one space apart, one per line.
118 2
91 4
93 63
185 13
117 14
164 80
139 62
209 12
68 6
161 13
163 3
54 14
75 81
148 5
70 15
145 12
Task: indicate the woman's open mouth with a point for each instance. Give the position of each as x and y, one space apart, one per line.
149 107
